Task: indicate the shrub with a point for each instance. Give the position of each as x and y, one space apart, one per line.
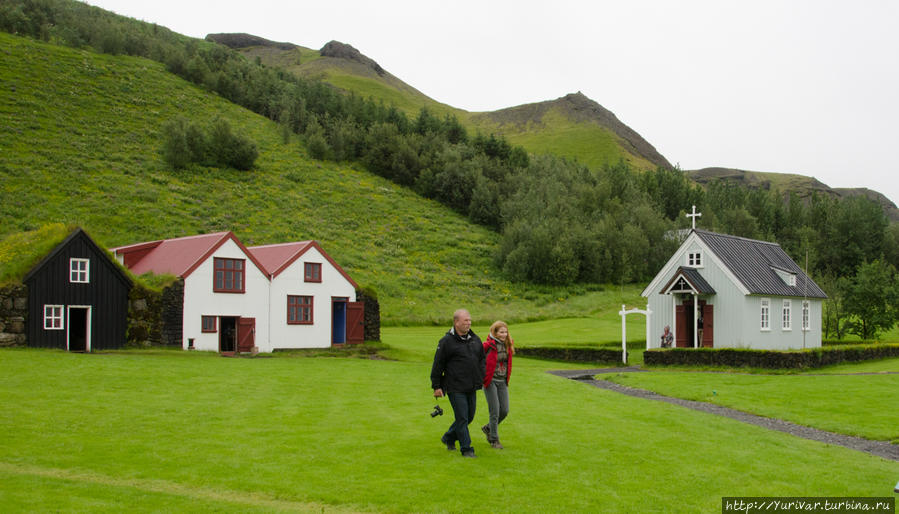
770 359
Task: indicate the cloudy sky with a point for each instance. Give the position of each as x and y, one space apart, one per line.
792 86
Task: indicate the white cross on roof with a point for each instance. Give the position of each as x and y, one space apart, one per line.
694 215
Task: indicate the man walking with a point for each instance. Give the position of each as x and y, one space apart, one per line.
458 371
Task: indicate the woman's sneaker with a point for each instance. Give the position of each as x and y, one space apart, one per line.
496 445
486 430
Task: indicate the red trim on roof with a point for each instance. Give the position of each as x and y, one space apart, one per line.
179 256
279 257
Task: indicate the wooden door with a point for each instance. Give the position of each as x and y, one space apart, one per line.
355 322
708 323
246 334
680 335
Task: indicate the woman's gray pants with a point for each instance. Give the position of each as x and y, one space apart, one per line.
497 394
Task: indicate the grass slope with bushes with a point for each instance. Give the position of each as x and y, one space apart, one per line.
557 131
81 146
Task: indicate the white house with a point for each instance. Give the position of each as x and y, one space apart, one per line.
313 301
233 301
725 291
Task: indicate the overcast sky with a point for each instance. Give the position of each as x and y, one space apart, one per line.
808 87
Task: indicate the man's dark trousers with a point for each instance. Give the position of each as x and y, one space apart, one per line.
464 405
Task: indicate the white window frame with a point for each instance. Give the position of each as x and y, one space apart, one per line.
56 314
694 259
806 315
765 314
79 274
786 315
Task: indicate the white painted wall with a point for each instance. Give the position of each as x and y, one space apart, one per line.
200 300
291 282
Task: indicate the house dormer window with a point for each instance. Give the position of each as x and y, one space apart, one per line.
79 271
313 272
229 276
788 277
694 259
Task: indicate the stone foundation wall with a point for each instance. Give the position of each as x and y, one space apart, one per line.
154 318
372 315
13 314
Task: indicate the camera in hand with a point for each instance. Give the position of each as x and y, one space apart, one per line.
437 411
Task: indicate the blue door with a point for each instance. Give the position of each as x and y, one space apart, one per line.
338 321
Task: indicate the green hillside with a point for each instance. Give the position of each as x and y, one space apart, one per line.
81 143
584 131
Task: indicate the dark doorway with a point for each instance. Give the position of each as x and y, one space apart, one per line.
684 335
79 323
228 335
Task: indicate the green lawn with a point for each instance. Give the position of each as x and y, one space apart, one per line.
171 430
856 405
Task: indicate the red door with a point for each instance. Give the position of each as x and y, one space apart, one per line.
708 318
680 332
246 334
355 322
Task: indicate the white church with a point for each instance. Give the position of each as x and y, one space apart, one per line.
723 291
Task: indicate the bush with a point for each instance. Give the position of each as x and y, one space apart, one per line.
184 143
769 359
571 354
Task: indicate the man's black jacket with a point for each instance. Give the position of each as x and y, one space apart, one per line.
459 364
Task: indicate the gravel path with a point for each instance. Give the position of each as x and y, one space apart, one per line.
880 448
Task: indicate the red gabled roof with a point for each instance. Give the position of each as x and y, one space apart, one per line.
180 256
279 257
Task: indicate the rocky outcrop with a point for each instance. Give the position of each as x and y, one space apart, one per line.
340 50
247 40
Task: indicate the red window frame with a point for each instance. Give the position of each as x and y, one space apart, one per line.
209 324
312 272
299 310
229 276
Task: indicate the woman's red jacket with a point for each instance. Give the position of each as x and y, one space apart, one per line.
490 350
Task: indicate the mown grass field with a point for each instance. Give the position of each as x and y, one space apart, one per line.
171 430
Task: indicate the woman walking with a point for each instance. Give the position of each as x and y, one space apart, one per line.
498 350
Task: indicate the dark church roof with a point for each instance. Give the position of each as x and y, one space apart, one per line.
756 264
693 278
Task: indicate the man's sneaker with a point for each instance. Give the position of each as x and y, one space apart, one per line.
486 430
496 445
450 445
469 453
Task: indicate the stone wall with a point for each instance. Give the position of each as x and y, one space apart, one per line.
372 314
172 314
13 313
154 318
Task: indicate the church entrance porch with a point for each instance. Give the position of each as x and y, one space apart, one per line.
690 322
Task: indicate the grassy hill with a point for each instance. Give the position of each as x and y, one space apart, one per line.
573 126
81 142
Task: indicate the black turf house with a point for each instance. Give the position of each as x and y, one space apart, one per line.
77 298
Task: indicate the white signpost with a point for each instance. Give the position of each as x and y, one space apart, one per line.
623 313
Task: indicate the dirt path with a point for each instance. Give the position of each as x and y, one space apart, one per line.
880 448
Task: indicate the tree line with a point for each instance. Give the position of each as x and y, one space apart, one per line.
560 222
